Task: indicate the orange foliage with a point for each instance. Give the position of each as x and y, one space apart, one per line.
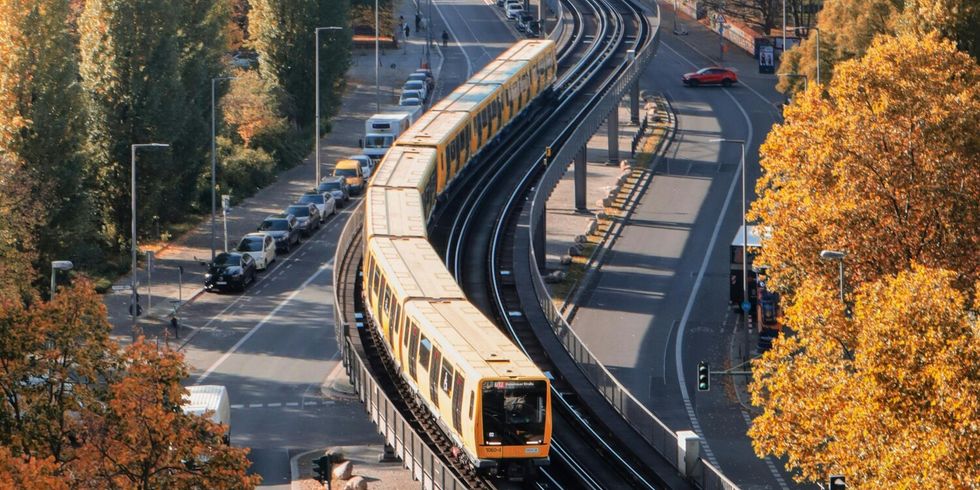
888 398
886 167
28 473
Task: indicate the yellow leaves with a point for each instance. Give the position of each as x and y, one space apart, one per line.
887 397
885 167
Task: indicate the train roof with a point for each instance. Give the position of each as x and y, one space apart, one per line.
526 50
466 97
434 128
406 167
471 339
394 212
414 269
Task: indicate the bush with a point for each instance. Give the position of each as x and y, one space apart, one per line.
246 170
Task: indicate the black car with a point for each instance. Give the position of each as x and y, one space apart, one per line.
336 186
230 271
307 217
284 229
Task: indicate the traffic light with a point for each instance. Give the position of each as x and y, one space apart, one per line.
837 482
322 468
704 376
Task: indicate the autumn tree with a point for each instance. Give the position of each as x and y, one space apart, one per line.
250 108
51 355
848 27
885 167
887 397
27 473
142 439
19 215
41 122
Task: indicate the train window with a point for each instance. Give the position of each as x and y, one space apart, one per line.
458 384
386 303
405 339
377 280
425 350
471 405
447 376
434 376
397 318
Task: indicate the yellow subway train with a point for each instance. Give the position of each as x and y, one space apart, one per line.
487 396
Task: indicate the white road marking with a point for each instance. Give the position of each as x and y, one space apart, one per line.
469 64
273 405
292 404
262 323
679 340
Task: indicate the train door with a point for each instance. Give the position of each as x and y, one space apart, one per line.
413 350
434 376
396 320
458 384
386 318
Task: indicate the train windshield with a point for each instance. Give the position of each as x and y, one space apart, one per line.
514 412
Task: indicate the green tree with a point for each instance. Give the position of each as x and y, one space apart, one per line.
885 166
42 100
283 35
887 397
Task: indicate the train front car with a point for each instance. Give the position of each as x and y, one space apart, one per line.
515 424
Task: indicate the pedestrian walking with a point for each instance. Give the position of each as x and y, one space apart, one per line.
401 20
406 31
445 38
418 21
175 324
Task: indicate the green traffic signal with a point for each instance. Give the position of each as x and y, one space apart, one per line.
704 376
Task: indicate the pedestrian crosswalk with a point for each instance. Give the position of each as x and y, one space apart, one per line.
299 404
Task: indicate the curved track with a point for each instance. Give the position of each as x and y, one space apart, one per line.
477 237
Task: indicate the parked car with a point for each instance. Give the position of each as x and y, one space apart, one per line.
230 271
713 75
500 3
367 164
410 94
425 78
522 22
533 29
307 217
261 247
416 85
514 11
337 187
323 201
412 106
284 230
351 171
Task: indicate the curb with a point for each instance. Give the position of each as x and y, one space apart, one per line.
294 468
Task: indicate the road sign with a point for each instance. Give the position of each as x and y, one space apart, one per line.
120 287
745 306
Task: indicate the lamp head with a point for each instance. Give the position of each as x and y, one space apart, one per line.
62 265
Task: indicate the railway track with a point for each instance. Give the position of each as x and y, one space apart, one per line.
477 244
473 243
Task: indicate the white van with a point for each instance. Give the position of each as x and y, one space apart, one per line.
380 131
210 398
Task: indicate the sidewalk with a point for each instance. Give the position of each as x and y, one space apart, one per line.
190 250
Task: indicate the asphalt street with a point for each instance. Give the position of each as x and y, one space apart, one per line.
664 285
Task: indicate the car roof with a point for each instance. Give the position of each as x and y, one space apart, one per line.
406 99
259 234
279 216
347 163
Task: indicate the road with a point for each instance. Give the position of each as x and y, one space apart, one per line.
664 285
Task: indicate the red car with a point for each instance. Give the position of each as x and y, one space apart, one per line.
711 75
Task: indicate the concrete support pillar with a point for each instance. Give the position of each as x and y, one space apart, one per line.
539 242
635 102
688 447
612 124
580 176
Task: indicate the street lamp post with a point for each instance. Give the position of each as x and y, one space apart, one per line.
838 256
377 60
316 129
818 47
214 160
133 304
784 34
745 239
58 265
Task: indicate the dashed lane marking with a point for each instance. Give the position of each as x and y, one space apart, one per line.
305 403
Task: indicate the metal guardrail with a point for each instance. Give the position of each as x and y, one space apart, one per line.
425 465
655 432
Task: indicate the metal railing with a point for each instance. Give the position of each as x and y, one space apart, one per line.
425 465
656 433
